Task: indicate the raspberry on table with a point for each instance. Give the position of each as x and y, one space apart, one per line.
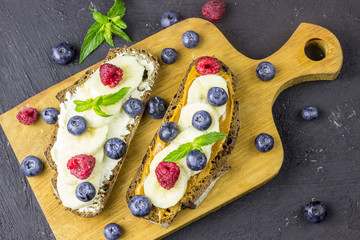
81 166
27 116
110 75
214 10
167 173
207 65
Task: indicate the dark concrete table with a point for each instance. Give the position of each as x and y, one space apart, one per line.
321 157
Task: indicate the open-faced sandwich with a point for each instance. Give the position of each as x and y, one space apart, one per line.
189 152
98 117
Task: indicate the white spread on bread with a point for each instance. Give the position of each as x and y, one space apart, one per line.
100 128
196 101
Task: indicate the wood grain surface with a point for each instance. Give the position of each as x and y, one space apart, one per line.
250 169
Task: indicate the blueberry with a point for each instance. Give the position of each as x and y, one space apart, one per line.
156 107
31 166
264 142
310 112
201 120
77 125
169 55
168 131
315 211
265 71
85 191
50 115
196 160
115 148
190 39
140 206
169 18
133 107
112 231
62 53
217 96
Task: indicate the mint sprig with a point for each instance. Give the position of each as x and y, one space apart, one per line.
184 149
104 28
103 100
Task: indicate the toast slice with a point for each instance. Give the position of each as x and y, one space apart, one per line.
198 185
143 92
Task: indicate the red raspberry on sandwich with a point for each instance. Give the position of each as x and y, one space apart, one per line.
167 173
207 65
110 75
81 166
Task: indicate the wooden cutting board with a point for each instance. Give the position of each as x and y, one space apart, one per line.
250 168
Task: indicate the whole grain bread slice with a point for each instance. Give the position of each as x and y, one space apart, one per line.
106 187
198 193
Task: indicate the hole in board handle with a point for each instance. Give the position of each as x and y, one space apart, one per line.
316 49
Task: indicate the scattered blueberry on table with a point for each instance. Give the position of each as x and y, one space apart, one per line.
62 53
168 131
309 113
85 191
201 120
265 71
77 125
264 142
190 39
169 18
315 211
31 166
156 107
196 160
50 115
169 55
112 231
140 206
115 148
133 107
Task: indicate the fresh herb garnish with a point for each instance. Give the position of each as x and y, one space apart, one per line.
104 100
104 28
198 142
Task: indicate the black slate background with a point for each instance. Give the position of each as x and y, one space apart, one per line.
321 157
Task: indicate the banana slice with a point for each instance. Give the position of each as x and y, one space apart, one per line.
187 112
88 143
159 196
200 87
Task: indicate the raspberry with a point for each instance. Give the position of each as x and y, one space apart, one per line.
27 116
207 65
110 75
167 173
214 10
81 166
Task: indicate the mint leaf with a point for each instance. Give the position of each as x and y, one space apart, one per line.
118 22
80 102
99 112
198 142
113 98
82 108
108 35
179 153
94 37
117 31
208 138
99 17
118 9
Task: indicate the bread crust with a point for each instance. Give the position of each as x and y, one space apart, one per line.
106 187
219 162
